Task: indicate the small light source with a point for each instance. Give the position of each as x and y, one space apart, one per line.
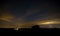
16 29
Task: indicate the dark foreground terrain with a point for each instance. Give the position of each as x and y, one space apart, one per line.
29 30
34 28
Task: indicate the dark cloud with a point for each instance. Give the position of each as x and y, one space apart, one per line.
30 10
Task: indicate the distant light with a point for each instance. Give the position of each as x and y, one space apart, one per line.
16 29
48 23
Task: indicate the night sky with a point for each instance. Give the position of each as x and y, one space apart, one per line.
21 11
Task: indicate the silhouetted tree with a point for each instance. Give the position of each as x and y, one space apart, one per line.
35 27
